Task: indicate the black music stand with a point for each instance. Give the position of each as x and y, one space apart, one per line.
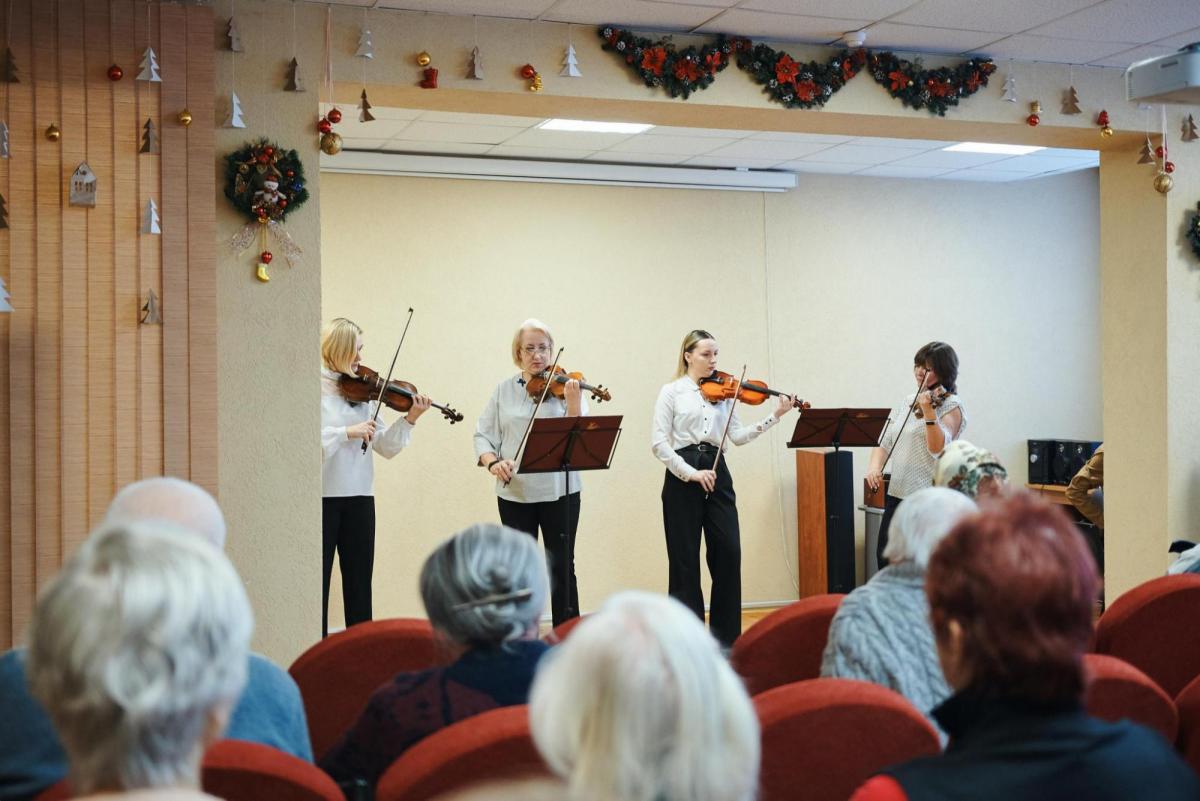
837 428
563 445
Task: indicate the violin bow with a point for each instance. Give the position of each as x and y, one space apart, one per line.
725 433
911 406
383 387
536 406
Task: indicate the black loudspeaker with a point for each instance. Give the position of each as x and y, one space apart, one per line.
1040 451
839 520
1068 458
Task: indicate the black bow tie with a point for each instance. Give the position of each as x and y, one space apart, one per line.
521 381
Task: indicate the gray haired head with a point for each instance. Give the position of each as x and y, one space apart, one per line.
484 586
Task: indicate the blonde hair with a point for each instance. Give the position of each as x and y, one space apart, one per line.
339 344
690 341
532 324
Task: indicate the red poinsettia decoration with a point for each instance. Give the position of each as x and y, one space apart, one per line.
806 90
786 69
973 81
899 80
939 88
687 70
847 70
712 62
653 59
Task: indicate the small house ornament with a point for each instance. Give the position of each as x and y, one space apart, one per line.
83 186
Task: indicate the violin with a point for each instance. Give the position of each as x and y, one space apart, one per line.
399 394
558 386
722 386
937 396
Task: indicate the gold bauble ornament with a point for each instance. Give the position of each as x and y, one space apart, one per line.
331 143
1163 183
261 273
185 118
1106 132
423 59
52 133
244 169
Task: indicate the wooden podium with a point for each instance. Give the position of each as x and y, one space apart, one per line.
816 550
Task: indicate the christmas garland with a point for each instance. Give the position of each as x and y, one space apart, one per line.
680 72
794 84
1193 232
936 89
250 170
791 83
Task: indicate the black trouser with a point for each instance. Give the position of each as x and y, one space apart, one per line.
687 514
550 517
348 526
890 505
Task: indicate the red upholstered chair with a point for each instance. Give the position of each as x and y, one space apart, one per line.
1152 627
487 747
1188 705
1116 690
560 632
337 675
236 770
822 738
786 645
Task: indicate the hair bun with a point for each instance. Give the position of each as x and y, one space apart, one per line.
500 579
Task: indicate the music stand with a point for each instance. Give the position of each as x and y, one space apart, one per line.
563 445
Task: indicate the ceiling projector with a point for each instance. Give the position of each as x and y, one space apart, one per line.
1166 79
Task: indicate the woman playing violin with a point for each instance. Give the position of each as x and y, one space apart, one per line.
686 435
935 417
347 473
537 500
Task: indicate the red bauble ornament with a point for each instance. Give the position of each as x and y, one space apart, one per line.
527 72
334 116
290 173
1033 120
1160 151
1102 118
1169 166
268 151
281 203
115 73
265 257
324 126
263 158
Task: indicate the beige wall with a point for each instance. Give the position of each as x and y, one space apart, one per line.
827 290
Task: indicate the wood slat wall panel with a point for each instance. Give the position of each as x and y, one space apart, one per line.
150 337
176 384
6 323
23 289
127 291
73 357
100 275
48 187
202 232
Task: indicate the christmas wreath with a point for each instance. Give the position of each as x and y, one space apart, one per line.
936 89
266 183
680 72
1193 232
794 84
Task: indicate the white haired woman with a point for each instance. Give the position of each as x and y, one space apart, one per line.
484 591
537 500
639 705
881 631
138 652
971 470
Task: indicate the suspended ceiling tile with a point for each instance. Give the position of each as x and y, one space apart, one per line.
893 36
1027 47
1135 21
515 9
1179 40
566 140
716 133
644 13
715 4
731 161
1090 156
364 144
481 119
783 27
512 152
684 145
981 175
1036 163
894 171
1009 16
636 158
448 148
789 136
762 149
866 9
391 113
1126 57
949 159
446 132
860 154
820 167
907 144
377 129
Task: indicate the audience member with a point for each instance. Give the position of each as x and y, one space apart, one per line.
137 650
270 710
881 630
484 590
1010 596
971 470
1086 490
638 705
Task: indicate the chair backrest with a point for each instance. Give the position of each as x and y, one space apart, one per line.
786 645
492 745
1187 703
560 632
822 738
1152 627
236 770
337 675
1117 690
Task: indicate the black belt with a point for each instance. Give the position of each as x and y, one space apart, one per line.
702 447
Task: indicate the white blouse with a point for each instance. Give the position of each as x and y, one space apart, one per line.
912 465
345 470
683 417
499 430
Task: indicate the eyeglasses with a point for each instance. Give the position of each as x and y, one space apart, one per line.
532 349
